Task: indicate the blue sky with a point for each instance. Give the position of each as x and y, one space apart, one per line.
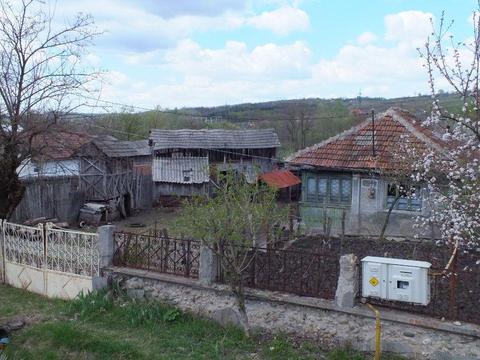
192 53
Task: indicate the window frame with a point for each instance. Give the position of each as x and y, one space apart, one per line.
326 198
410 207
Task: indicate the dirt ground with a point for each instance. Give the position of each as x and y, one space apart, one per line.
147 220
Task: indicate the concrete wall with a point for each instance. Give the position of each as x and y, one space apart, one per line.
366 213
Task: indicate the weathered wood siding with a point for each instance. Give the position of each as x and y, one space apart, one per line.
56 197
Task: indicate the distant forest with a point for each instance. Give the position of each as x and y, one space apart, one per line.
299 123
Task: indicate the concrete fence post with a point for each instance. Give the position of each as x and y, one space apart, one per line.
347 287
105 248
207 271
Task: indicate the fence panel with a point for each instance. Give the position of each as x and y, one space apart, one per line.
157 253
297 272
24 244
72 252
56 263
453 295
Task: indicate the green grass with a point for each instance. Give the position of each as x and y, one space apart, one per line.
99 326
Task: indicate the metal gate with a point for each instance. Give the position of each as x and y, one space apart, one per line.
46 260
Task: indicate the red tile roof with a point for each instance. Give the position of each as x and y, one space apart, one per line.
353 149
280 179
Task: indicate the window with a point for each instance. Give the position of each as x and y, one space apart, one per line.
408 197
311 188
335 190
322 189
187 175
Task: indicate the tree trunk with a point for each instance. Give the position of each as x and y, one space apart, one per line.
12 189
387 218
239 293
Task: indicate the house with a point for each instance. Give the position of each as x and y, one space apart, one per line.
53 155
346 184
185 161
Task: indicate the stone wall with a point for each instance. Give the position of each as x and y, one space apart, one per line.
317 320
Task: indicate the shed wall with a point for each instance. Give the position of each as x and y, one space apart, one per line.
55 197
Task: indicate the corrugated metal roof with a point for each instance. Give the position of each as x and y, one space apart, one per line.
280 179
189 170
353 148
214 139
119 148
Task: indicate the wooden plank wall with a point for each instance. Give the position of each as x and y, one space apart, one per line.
55 197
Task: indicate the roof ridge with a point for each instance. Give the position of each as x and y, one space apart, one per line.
340 136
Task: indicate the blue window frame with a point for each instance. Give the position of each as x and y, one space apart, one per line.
329 190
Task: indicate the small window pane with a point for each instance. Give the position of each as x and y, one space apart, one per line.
311 188
346 190
322 189
335 190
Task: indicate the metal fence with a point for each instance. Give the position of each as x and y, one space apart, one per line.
72 251
157 253
291 271
51 248
453 295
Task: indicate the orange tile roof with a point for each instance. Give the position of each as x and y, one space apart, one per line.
280 179
353 148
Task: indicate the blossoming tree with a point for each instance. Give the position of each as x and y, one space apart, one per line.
453 175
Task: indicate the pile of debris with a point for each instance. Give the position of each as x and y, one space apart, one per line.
43 220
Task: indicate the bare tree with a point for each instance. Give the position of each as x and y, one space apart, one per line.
41 75
298 124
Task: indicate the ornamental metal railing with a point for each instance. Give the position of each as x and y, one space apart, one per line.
291 271
161 254
50 248
23 244
72 251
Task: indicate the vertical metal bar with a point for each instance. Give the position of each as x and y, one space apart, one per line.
45 257
4 275
148 252
189 248
253 268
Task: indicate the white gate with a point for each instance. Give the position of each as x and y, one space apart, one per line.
53 262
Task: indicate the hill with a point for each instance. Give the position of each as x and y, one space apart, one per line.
299 122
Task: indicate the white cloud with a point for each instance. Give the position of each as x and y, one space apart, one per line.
281 21
410 28
366 38
189 74
236 61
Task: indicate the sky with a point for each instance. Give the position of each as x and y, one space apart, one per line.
182 53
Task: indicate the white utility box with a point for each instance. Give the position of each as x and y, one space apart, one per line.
396 279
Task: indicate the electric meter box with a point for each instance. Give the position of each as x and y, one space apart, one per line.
396 279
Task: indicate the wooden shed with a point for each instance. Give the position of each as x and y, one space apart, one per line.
185 161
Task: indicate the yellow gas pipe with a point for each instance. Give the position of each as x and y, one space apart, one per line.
377 332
